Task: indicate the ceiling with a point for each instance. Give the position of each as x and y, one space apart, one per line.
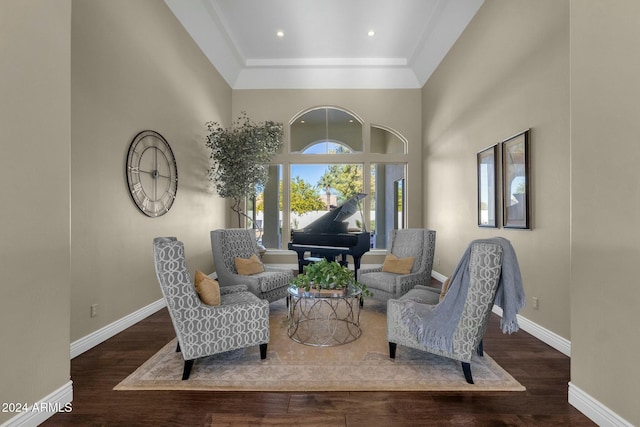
325 43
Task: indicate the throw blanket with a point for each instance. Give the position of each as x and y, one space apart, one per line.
434 325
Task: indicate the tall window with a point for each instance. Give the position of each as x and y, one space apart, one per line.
323 165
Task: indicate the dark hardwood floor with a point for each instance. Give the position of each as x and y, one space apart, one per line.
541 369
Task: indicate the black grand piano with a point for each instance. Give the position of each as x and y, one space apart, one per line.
329 237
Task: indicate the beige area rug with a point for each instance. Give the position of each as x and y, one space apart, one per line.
362 365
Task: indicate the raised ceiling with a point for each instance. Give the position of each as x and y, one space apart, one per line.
325 43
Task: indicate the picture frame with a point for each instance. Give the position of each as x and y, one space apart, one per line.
487 169
516 191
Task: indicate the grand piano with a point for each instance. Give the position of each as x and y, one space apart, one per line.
329 237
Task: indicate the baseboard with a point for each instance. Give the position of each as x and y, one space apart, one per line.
58 401
439 277
561 344
93 339
594 410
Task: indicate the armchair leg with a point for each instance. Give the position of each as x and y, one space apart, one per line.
392 350
263 351
466 368
480 349
188 364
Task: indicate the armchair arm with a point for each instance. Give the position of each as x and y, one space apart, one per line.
409 281
232 289
370 270
429 288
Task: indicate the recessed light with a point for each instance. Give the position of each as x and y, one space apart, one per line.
280 33
371 33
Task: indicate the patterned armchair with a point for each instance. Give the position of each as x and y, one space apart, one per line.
226 245
411 242
484 268
241 320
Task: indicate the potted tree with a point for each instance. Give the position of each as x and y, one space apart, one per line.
240 158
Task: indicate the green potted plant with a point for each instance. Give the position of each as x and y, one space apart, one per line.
328 275
240 158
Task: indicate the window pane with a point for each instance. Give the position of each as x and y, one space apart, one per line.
387 200
326 125
385 142
268 210
316 188
327 148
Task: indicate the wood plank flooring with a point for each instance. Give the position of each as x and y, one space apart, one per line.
541 369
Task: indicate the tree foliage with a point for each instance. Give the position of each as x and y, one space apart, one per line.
304 197
240 157
345 179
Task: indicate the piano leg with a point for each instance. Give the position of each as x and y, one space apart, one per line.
344 261
356 266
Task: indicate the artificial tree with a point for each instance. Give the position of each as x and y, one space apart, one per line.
240 158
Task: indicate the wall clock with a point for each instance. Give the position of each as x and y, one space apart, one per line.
152 173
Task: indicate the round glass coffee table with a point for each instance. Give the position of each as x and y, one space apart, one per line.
325 318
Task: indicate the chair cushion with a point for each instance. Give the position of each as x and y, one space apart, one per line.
393 264
423 296
207 288
246 267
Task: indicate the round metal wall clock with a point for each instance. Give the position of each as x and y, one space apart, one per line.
152 173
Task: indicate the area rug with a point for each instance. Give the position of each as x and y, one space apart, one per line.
362 365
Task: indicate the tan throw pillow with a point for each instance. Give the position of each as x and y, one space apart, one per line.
208 289
246 267
393 264
445 288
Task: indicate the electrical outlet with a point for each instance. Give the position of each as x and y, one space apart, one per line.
535 302
94 310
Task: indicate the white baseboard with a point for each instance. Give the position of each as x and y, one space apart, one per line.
439 277
58 401
93 339
561 344
594 410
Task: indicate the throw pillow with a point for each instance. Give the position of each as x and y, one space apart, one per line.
208 289
247 267
445 288
393 264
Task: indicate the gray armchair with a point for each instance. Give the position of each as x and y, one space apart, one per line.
226 245
464 316
241 320
411 242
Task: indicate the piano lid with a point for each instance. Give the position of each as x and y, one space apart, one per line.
334 220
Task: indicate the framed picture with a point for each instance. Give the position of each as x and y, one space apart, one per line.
515 181
487 187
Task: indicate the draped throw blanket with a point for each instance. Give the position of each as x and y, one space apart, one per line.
434 325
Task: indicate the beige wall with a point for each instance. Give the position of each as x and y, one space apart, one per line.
605 248
509 71
35 118
134 68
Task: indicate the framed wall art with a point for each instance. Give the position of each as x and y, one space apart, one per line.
487 187
515 181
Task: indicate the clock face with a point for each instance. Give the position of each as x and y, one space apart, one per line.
152 173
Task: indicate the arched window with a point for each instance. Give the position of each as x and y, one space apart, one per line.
327 159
